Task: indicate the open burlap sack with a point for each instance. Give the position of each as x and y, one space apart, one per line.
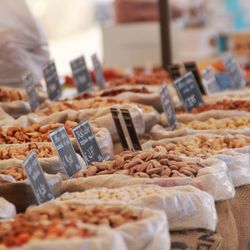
149 232
5 119
240 207
16 108
237 160
213 178
103 239
186 207
196 239
227 226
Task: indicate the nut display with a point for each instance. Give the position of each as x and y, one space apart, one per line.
8 95
123 194
20 152
25 229
229 123
157 163
112 216
242 105
16 172
33 133
204 146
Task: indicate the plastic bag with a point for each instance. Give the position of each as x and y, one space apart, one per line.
186 207
23 45
149 232
213 178
7 210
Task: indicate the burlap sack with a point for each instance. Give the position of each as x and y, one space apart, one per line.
5 118
213 178
16 108
104 239
240 207
186 207
149 232
227 226
196 239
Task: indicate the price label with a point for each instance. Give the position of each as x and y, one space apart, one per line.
192 67
81 74
210 82
65 151
31 91
131 129
87 142
224 81
188 91
168 106
174 71
98 71
117 121
37 179
52 81
235 73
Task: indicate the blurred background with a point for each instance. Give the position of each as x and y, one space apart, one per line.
126 33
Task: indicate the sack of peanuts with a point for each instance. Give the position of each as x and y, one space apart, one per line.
7 209
158 167
140 228
186 207
13 155
43 233
232 149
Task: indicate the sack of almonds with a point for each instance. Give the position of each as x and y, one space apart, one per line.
185 206
140 228
232 149
155 166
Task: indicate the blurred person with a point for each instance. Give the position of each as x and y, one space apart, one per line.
23 45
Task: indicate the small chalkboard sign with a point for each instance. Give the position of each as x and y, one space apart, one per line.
37 179
235 73
87 142
65 151
131 129
115 115
188 91
31 91
81 74
100 80
168 106
192 67
210 82
52 81
174 71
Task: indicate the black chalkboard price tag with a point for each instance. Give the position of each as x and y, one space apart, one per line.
98 71
81 75
31 91
87 142
192 67
37 179
188 91
235 73
131 129
168 106
65 151
52 81
174 71
116 118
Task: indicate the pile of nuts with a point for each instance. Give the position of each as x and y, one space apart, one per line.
25 229
112 216
204 146
157 163
33 133
229 123
242 105
16 172
21 151
8 95
124 194
90 103
116 92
